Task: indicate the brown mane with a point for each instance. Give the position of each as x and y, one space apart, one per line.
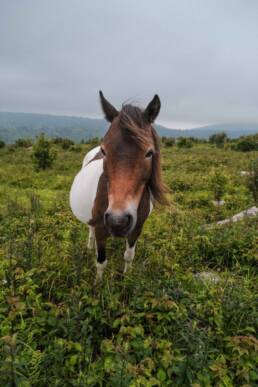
132 123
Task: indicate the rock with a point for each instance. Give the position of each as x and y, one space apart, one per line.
244 173
208 277
225 221
218 203
251 212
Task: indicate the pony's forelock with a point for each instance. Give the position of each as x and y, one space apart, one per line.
132 123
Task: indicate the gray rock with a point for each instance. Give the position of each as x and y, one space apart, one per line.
208 277
218 203
251 212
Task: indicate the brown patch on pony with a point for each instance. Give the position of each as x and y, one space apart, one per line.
133 123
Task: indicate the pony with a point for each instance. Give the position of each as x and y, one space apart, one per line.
120 180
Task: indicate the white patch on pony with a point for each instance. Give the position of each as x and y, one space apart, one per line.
90 155
91 239
100 269
129 256
84 187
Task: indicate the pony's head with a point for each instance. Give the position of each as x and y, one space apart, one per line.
131 162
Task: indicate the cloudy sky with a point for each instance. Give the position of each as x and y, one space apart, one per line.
200 56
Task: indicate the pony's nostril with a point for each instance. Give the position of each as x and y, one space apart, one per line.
118 224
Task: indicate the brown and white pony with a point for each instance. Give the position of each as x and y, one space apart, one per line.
119 181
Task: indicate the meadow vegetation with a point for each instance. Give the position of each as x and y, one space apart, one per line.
161 324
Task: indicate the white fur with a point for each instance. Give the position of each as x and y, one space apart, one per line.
84 187
90 155
91 240
129 256
100 269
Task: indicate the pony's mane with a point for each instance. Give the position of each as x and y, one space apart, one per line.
133 123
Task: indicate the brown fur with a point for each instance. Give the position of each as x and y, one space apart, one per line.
132 122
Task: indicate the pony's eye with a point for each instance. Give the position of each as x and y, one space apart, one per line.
102 151
149 154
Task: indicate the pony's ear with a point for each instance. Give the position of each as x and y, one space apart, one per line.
152 110
108 109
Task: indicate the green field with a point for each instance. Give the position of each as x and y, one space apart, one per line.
161 324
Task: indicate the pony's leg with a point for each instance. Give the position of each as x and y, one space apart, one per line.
91 239
129 254
101 263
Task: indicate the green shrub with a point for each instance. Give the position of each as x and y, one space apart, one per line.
218 139
76 148
23 143
252 179
2 144
247 144
65 143
11 148
168 141
218 182
43 156
184 142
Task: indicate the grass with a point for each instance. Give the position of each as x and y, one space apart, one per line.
161 324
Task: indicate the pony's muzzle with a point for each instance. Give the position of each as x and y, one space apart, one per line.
118 224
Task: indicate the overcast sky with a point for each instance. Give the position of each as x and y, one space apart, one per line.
200 56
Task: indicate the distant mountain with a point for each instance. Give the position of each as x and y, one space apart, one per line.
21 125
232 130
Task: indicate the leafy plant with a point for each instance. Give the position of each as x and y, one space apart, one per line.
218 181
168 141
252 179
218 139
246 144
23 142
65 143
2 144
43 156
184 142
